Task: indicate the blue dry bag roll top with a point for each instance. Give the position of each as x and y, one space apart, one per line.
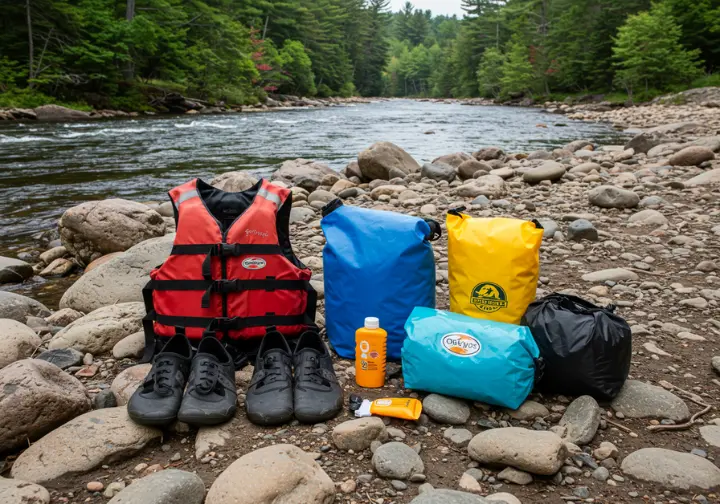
375 264
461 356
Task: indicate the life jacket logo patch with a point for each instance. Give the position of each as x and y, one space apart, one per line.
461 344
488 297
254 263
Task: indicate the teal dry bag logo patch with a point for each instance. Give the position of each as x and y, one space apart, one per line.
488 297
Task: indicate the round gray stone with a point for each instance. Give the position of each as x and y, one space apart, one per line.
671 469
582 229
170 486
549 170
17 307
642 400
397 461
449 497
460 437
613 197
62 357
14 270
438 171
446 410
582 419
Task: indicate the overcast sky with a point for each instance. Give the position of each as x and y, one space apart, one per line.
448 7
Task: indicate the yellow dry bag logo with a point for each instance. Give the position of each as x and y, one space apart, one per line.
461 344
488 297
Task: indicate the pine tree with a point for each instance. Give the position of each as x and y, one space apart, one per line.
490 72
517 75
648 51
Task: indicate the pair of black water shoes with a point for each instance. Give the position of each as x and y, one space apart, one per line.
275 395
210 396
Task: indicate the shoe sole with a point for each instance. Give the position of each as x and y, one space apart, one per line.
152 422
313 418
199 417
270 420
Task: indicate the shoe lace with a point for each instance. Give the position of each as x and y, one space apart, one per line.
272 371
312 372
162 376
207 376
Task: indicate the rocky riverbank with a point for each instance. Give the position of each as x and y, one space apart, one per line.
634 225
172 103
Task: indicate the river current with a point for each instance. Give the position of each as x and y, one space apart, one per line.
46 168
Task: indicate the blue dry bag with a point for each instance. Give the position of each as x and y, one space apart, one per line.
461 356
375 264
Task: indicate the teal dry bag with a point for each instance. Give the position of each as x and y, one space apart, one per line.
375 264
461 356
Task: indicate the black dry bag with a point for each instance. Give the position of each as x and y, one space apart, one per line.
586 349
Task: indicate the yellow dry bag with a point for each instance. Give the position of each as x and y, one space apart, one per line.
493 266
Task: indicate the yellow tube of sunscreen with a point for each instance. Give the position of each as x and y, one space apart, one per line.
401 407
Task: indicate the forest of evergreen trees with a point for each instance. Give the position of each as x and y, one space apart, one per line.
109 53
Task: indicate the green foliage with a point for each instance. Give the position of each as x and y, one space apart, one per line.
30 98
516 72
10 73
648 51
297 66
490 73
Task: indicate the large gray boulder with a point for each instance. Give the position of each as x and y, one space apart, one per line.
99 331
14 270
385 161
281 473
537 452
121 279
303 173
455 159
35 398
17 307
95 228
58 113
643 400
671 469
95 438
469 168
170 486
236 181
17 341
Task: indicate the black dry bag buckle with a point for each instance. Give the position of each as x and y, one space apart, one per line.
435 229
331 207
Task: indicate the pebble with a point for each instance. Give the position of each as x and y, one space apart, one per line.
95 486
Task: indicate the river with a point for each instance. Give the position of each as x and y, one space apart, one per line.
46 168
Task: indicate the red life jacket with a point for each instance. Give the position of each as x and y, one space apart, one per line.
232 272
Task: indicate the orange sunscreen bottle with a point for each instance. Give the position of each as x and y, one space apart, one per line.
399 407
370 354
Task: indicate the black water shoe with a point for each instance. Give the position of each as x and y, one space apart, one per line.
157 399
211 396
318 396
270 394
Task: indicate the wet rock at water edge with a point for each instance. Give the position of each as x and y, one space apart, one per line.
642 400
489 153
582 229
358 434
99 331
643 142
171 486
279 473
17 341
302 173
14 270
385 161
81 445
671 469
536 452
36 398
236 181
455 160
397 461
96 228
446 410
119 280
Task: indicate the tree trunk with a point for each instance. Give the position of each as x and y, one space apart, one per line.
129 70
267 20
31 44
